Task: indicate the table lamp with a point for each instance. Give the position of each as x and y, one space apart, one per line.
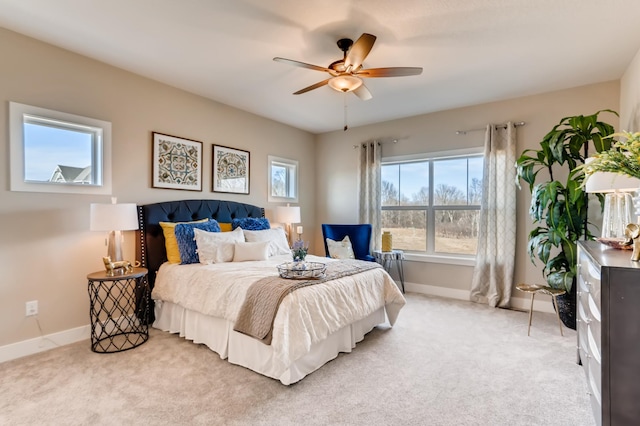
288 215
114 218
618 203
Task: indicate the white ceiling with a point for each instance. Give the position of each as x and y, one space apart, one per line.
472 51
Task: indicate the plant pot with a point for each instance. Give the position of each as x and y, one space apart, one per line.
567 307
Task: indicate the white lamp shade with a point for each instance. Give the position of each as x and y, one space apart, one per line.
611 182
287 214
113 217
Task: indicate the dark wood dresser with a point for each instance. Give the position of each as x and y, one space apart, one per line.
608 323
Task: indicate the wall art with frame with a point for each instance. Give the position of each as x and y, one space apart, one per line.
230 170
177 163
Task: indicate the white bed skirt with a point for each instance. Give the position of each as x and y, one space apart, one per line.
248 352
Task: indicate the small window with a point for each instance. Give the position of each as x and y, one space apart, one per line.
283 180
52 151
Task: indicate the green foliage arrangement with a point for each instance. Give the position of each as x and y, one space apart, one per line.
560 209
623 157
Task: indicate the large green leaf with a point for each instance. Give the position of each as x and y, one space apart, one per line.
561 280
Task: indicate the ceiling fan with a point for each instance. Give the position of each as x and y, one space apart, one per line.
347 73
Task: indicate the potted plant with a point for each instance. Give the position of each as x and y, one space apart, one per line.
559 210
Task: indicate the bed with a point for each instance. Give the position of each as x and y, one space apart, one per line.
201 302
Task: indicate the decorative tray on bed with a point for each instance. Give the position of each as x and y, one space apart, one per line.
302 270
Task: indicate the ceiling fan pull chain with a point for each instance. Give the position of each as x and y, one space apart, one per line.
345 112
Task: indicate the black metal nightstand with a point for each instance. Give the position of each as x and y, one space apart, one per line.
119 310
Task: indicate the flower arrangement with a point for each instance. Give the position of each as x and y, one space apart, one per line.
622 158
299 250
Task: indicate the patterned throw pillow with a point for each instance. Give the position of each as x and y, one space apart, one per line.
186 242
340 249
251 223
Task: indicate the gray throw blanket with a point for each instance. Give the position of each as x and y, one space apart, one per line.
260 306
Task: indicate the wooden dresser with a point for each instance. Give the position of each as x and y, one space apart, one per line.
608 323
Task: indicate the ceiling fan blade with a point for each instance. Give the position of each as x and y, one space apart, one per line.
363 93
389 72
302 64
359 51
313 86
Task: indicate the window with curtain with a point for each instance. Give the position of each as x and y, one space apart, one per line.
431 203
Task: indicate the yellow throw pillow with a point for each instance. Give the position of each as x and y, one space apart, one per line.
170 242
225 227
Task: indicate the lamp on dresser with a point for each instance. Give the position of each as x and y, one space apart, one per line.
618 203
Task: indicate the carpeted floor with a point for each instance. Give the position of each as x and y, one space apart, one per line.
446 362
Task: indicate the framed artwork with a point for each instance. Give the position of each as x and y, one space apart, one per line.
230 170
177 163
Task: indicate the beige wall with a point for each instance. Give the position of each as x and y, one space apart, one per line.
46 249
630 97
337 164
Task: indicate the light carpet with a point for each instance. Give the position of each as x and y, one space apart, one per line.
445 362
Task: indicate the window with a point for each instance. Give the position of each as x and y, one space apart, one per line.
53 151
283 180
431 204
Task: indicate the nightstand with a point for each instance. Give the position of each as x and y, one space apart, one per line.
119 310
387 258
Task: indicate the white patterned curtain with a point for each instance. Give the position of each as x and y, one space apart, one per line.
493 273
370 197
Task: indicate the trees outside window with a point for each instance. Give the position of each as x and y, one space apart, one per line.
431 205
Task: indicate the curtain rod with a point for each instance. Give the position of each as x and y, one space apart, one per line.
504 126
380 142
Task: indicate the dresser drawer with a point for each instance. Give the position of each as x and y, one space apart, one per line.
594 359
596 405
584 359
595 290
595 323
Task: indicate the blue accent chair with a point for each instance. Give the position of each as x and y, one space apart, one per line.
360 236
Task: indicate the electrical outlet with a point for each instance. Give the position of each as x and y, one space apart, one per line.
32 308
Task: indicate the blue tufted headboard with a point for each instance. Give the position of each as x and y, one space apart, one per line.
150 248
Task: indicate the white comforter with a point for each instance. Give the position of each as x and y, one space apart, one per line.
305 316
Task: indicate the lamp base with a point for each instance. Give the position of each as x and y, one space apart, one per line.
114 246
617 214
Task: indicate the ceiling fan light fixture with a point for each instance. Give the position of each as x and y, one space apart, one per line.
345 83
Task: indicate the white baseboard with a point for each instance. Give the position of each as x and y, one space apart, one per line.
44 343
541 303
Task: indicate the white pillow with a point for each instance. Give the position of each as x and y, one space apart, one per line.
340 249
276 236
216 247
251 251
